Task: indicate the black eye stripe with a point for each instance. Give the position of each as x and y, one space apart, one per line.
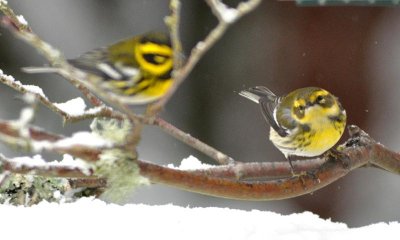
151 58
325 101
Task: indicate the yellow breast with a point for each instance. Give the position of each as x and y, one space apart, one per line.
322 134
322 139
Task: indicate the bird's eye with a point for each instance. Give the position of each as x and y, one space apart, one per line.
154 58
159 58
302 107
320 99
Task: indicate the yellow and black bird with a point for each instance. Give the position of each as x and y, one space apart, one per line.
135 70
306 122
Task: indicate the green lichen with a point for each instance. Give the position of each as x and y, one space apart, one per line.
28 189
111 129
117 165
122 175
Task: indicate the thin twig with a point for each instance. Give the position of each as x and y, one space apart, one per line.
226 17
82 80
218 156
16 20
101 111
95 101
173 23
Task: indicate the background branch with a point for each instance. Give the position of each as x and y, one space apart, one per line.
224 22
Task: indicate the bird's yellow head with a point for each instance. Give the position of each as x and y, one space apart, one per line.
154 54
313 105
151 53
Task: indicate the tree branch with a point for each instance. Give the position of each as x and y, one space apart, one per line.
359 150
234 189
228 181
44 170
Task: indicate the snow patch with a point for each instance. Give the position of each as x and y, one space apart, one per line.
6 77
26 116
33 89
94 110
22 20
73 107
77 107
191 163
38 161
85 139
173 222
28 88
228 15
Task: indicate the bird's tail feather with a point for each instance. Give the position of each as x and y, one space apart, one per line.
255 93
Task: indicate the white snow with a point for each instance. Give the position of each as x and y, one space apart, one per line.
6 77
228 15
83 138
26 116
33 89
77 107
94 110
73 107
37 160
191 163
79 138
95 219
29 88
22 20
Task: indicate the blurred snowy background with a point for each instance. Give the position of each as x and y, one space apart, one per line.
351 51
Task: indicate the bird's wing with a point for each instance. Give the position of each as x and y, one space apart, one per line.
268 102
268 110
100 63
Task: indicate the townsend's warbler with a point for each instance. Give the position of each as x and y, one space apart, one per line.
306 122
135 70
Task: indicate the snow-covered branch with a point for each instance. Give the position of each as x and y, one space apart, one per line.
235 181
67 167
